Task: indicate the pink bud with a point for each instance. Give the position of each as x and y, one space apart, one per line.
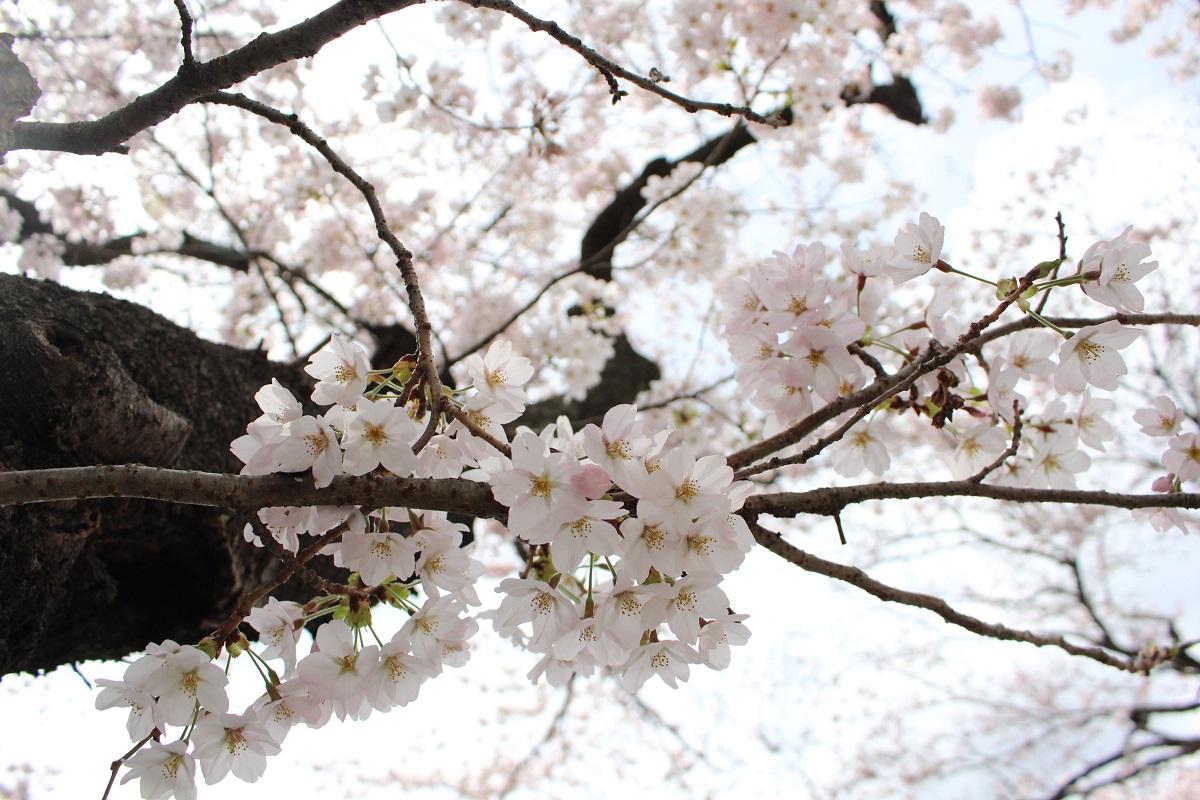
592 481
1163 484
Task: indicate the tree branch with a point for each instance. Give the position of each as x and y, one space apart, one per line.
267 50
865 399
856 577
186 23
76 253
244 492
611 70
1027 323
833 499
404 260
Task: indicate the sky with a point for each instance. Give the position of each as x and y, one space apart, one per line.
722 733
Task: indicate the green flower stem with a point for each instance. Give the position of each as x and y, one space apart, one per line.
868 341
1042 320
318 614
191 726
254 661
272 677
973 277
1067 281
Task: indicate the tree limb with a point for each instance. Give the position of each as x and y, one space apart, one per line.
856 577
834 499
244 492
267 50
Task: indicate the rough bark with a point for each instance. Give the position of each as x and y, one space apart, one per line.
91 380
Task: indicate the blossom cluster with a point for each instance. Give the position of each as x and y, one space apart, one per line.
790 323
1181 458
637 593
793 327
180 687
410 559
626 535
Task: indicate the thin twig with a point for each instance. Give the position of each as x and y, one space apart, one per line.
298 568
866 399
1008 453
610 70
404 259
109 133
871 361
1028 323
834 499
856 577
477 431
250 599
186 24
116 765
1062 258
605 252
487 339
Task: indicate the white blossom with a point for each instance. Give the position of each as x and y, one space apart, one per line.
1090 356
165 770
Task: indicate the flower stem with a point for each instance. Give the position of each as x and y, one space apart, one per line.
973 277
1042 320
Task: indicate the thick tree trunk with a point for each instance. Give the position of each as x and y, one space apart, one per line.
94 380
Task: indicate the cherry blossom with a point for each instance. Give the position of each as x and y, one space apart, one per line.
622 612
438 632
399 676
342 372
668 660
143 711
683 488
444 565
688 599
187 677
164 770
616 445
294 705
337 665
1058 460
1120 263
590 532
1091 357
236 743
710 546
1029 352
1183 456
917 248
977 447
380 434
499 374
1162 418
822 362
597 644
277 624
719 635
310 443
1094 430
650 544
378 555
538 489
530 600
863 448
